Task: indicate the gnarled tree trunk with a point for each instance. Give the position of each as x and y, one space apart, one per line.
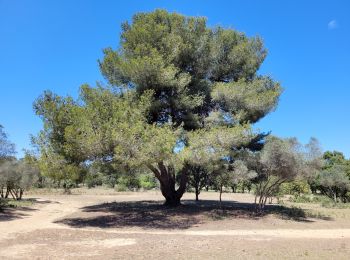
167 179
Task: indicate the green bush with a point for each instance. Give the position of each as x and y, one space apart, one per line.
129 181
297 188
301 199
147 181
120 187
93 179
323 200
3 203
110 180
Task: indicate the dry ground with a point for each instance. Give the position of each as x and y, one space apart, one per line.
101 224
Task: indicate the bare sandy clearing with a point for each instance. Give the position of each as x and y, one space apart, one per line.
133 225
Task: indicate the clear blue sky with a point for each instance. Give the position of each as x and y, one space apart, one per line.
55 45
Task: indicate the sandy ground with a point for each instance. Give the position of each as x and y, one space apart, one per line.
126 226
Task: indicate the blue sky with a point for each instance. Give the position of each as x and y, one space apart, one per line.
56 44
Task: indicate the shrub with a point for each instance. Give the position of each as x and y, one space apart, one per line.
120 187
93 179
128 181
147 181
301 199
296 188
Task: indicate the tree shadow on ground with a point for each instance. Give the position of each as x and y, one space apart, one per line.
154 215
11 211
8 214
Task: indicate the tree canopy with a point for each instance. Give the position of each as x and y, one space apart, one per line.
179 92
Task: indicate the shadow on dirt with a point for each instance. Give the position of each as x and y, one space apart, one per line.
153 214
16 209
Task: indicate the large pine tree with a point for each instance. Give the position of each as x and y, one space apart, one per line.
182 93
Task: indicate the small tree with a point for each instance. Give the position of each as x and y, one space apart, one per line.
7 152
198 178
17 177
56 168
228 174
277 163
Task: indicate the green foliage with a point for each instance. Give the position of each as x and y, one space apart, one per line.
93 179
129 181
304 198
147 181
301 199
58 169
120 187
3 203
198 178
16 177
334 182
168 78
244 185
296 187
337 158
181 60
279 161
7 149
247 101
334 178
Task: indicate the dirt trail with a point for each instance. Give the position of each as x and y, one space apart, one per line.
273 233
41 217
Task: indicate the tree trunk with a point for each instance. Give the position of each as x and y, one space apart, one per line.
220 192
7 192
167 187
166 177
21 194
197 193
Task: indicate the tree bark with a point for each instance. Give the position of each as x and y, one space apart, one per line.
20 194
166 176
220 192
197 193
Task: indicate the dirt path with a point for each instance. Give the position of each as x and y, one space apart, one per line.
41 217
273 233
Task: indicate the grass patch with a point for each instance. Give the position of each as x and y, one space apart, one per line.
321 199
334 205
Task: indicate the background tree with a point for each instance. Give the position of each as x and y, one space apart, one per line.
277 163
333 181
198 178
336 158
16 176
7 152
282 161
228 174
7 149
59 159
